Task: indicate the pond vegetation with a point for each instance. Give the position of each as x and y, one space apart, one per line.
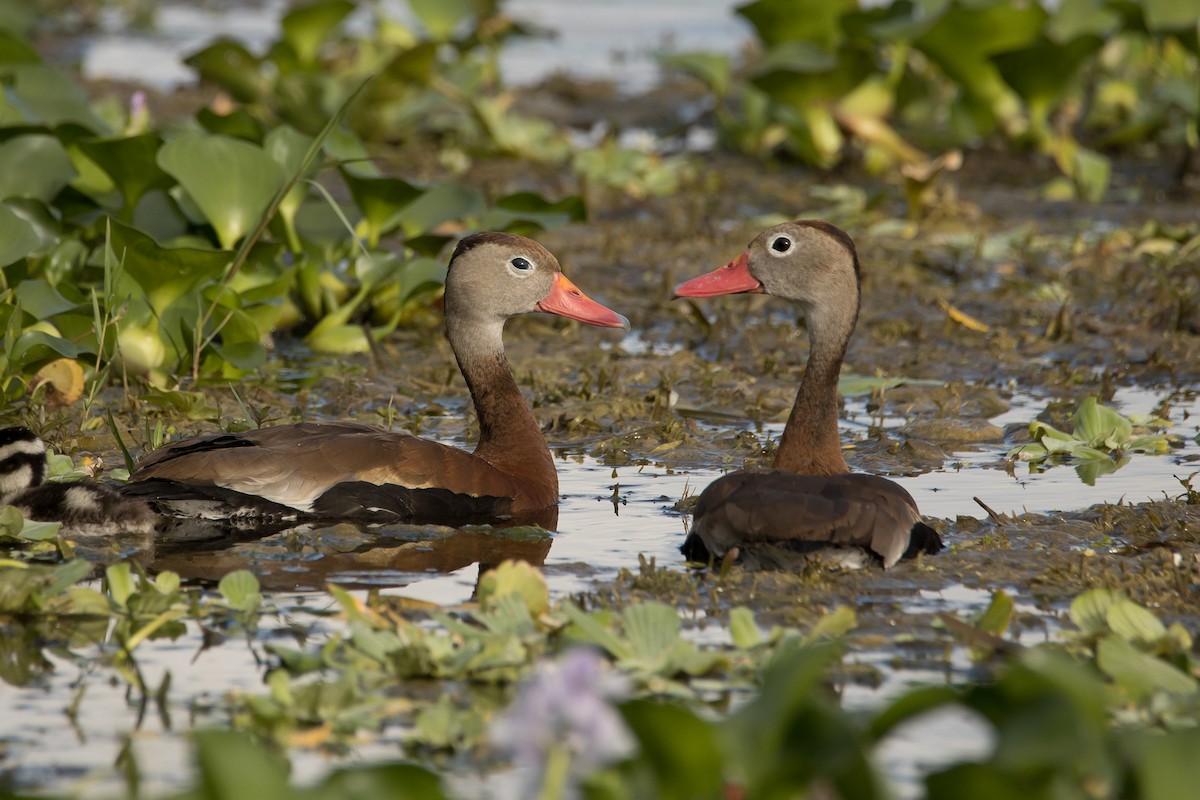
273 247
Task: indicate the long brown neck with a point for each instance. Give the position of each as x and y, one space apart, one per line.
810 444
509 436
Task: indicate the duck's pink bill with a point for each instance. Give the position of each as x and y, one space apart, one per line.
567 300
733 278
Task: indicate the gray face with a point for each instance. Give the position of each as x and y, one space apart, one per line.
499 275
812 264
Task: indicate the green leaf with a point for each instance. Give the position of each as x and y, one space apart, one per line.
17 237
240 590
651 628
713 69
1134 624
1140 674
43 300
306 27
232 181
1099 426
997 616
678 748
836 623
233 766
526 213
44 95
131 163
227 63
817 21
441 203
380 200
39 531
743 629
164 274
515 577
121 585
1171 15
1089 611
34 166
441 18
1165 763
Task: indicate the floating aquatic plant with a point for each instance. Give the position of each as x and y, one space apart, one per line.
1099 441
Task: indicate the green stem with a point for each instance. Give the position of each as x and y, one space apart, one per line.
554 776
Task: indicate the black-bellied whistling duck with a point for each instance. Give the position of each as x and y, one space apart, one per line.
81 506
348 471
810 500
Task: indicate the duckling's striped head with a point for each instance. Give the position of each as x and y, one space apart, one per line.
22 462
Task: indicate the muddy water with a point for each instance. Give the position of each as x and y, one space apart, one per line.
606 520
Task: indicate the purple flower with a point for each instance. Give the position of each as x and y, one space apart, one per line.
562 722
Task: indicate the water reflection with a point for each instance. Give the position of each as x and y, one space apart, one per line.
308 557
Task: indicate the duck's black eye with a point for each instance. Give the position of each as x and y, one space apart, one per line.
781 244
521 264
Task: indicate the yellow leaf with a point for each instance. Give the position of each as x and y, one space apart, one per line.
966 320
64 379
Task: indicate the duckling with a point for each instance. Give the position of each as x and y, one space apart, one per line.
82 507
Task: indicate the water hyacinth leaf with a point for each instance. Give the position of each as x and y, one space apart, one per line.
46 96
1076 18
1042 72
239 124
36 346
779 21
526 213
1138 673
997 616
306 27
228 64
14 50
441 203
419 275
1134 624
17 237
1089 611
43 300
121 584
515 577
1171 15
164 274
743 630
232 181
991 28
393 781
34 166
232 765
441 18
380 200
131 162
836 623
240 590
677 747
713 69
1165 762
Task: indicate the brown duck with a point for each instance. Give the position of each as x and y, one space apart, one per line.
810 500
349 471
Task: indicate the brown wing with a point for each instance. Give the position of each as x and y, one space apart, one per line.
293 465
773 507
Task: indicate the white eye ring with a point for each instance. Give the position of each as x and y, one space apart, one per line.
521 266
780 246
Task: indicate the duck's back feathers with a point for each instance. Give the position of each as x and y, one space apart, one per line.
803 513
326 470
